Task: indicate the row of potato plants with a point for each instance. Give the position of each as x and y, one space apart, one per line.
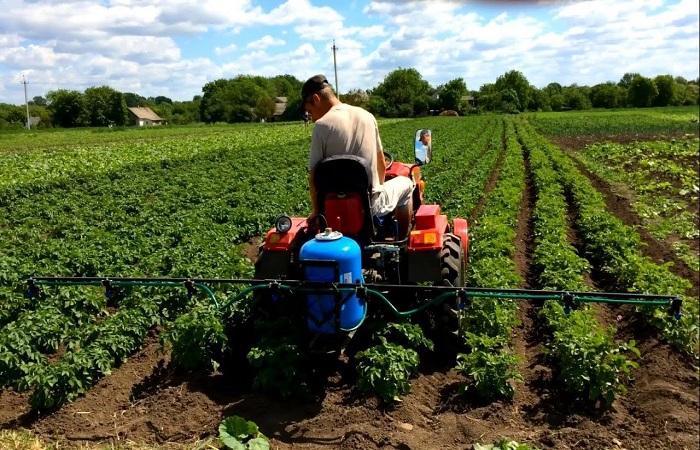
490 365
181 216
662 177
105 346
647 121
615 250
172 208
459 187
589 363
25 341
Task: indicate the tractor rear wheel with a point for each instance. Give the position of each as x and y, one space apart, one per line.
452 274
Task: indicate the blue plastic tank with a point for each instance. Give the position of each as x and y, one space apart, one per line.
332 257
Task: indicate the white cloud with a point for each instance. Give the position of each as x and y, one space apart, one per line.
265 42
227 49
155 47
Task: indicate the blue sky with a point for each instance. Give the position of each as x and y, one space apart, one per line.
173 47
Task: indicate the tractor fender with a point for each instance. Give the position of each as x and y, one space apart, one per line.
460 228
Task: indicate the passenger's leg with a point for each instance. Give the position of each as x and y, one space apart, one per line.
403 216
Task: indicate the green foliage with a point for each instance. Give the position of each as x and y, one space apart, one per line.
667 91
642 92
615 249
451 94
197 338
504 444
489 367
608 95
246 98
385 370
590 362
67 107
236 433
280 366
404 92
632 121
105 345
104 106
515 89
407 334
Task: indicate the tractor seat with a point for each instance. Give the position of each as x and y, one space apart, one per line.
343 193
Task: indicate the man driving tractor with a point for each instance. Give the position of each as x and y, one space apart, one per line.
342 129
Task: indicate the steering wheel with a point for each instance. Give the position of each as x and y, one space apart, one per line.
388 160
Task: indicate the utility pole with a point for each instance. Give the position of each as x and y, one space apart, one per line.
335 68
26 103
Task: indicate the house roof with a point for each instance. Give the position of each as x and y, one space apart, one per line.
144 112
280 106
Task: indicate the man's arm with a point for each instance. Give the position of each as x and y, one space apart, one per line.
312 191
316 154
381 163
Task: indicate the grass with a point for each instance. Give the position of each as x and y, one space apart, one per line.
26 440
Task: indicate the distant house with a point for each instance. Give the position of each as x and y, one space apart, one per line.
143 115
469 100
280 107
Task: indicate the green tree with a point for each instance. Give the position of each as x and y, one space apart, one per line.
403 91
642 92
38 100
689 94
608 95
516 81
510 102
626 80
667 91
161 99
576 97
105 106
239 99
488 97
185 112
539 100
451 95
357 97
133 100
264 107
67 108
12 116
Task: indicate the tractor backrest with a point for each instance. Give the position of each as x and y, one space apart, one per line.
343 192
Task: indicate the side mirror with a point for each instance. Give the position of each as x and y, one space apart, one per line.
423 146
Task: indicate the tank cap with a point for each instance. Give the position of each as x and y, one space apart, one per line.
329 235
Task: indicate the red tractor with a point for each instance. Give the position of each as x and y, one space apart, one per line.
359 248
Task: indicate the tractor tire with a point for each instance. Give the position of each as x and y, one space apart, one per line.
452 274
451 264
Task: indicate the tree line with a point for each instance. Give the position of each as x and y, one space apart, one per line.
402 93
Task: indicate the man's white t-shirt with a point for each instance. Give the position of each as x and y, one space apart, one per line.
350 130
